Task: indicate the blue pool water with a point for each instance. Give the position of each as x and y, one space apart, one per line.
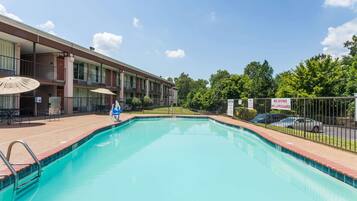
179 159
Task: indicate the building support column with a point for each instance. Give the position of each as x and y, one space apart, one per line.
17 70
34 75
147 84
161 94
55 76
121 96
68 86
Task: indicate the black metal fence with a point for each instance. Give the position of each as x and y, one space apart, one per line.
13 107
327 120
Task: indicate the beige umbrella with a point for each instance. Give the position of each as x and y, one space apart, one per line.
103 91
16 85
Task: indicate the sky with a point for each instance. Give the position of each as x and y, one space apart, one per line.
167 37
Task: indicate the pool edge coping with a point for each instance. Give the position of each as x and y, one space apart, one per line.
340 172
331 168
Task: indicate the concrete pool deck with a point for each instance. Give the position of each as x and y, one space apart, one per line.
47 137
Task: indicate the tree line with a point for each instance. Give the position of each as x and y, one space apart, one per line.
319 76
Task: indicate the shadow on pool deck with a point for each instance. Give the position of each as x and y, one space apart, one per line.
22 125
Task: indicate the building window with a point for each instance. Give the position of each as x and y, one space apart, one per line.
7 54
97 74
131 82
78 70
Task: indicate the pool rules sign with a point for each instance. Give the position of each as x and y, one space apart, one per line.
281 103
230 107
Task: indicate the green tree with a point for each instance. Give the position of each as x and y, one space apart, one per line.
318 76
147 101
218 76
261 79
349 64
184 85
352 45
199 84
214 98
136 103
284 84
170 79
351 81
236 86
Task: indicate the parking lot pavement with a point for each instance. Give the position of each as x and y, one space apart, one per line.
342 132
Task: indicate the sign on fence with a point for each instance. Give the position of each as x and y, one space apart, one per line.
38 99
281 103
230 107
240 102
251 103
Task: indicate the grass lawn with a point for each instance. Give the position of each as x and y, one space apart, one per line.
339 142
166 110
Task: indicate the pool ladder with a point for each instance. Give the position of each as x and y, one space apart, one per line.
18 187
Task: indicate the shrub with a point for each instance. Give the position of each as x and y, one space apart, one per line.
136 103
245 113
147 101
128 101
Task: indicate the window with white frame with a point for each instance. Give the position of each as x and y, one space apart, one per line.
7 55
78 71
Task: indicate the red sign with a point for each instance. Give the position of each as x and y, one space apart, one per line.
281 103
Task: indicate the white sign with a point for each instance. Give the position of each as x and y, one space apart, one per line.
38 99
251 103
230 107
356 107
54 105
281 103
240 102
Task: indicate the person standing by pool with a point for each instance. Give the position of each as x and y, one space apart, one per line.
115 111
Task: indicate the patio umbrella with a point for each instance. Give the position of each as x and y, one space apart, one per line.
16 85
103 91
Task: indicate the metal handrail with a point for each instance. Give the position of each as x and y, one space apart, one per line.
9 149
12 170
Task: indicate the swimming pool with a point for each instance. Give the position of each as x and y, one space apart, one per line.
181 159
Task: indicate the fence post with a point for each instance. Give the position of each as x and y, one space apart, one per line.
304 117
265 111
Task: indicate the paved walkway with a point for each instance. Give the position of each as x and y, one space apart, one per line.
44 136
343 161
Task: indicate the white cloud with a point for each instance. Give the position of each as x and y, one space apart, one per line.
4 12
106 43
179 53
337 36
137 23
341 3
47 26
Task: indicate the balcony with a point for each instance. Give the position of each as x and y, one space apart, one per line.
140 90
90 79
129 88
10 66
155 92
